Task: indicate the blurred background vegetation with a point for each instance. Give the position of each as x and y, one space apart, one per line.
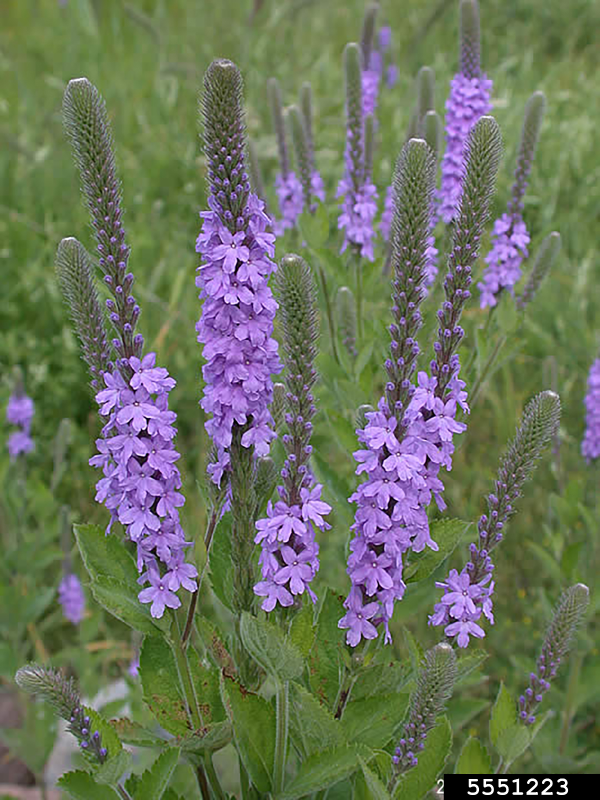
147 58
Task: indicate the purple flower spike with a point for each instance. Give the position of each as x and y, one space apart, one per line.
289 558
19 412
468 101
568 615
510 236
590 446
71 598
287 185
468 595
358 193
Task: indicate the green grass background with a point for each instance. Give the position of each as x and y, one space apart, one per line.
147 58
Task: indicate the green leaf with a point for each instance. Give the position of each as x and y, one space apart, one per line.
111 771
415 650
447 533
504 715
221 566
155 780
381 678
122 602
302 629
213 737
474 759
420 779
376 789
325 658
105 555
374 720
214 642
208 691
509 736
253 720
268 647
312 726
132 732
81 786
160 686
461 710
324 769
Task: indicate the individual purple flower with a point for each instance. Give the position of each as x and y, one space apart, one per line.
509 248
289 551
510 237
356 189
468 101
19 412
467 595
590 446
71 598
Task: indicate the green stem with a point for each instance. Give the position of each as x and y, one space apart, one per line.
477 386
569 709
203 783
329 313
486 330
194 599
185 675
359 291
122 791
213 778
282 708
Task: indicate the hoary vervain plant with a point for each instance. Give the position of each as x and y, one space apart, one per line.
265 665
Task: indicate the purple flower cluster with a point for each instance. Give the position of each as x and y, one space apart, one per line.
316 184
402 478
378 57
71 598
141 481
236 329
291 200
469 99
19 412
463 603
359 207
370 88
509 248
590 446
289 558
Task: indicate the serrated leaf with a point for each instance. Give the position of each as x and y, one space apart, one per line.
324 769
82 786
161 687
375 787
111 771
155 780
221 566
121 601
105 555
268 647
474 759
131 732
420 779
312 726
302 629
447 533
325 658
253 720
374 720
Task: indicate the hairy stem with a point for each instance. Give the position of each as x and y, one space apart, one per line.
194 599
281 742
